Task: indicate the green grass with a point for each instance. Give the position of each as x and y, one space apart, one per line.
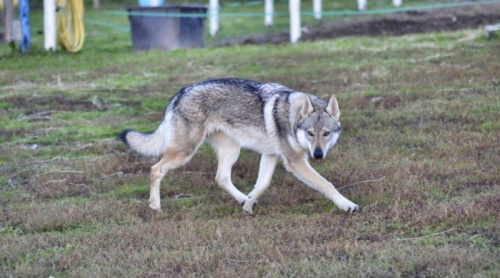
419 153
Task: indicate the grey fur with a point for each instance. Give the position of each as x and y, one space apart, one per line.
231 113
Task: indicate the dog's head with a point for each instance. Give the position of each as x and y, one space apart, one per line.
318 128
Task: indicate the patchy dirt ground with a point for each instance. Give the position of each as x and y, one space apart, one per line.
444 19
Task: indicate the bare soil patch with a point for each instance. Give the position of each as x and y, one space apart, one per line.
437 20
58 102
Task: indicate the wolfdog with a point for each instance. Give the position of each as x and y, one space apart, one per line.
269 118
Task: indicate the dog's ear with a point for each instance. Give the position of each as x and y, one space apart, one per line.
307 107
333 107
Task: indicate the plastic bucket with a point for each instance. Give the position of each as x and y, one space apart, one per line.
165 27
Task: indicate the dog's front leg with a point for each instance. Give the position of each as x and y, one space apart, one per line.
266 170
303 171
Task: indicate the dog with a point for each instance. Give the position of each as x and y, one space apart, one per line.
280 123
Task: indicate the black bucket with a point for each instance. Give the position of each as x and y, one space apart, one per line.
167 27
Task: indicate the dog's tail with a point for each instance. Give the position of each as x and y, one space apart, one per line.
153 144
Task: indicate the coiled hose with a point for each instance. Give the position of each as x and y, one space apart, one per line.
69 21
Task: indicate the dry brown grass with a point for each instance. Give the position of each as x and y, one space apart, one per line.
419 152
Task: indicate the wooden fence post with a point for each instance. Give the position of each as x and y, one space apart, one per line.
8 19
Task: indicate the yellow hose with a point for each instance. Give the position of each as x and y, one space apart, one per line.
69 21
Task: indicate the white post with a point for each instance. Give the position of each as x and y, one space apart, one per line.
49 24
317 8
269 10
362 5
294 6
397 3
214 17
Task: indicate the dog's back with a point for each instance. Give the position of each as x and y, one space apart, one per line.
234 102
249 112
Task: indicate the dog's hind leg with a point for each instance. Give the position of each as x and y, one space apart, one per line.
227 151
178 153
266 170
172 159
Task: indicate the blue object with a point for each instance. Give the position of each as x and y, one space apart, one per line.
24 17
149 3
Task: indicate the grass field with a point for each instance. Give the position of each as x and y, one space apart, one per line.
419 152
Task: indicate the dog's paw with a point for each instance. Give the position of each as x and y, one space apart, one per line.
344 204
354 208
155 205
248 206
348 206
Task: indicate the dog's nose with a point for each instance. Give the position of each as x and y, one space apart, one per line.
318 153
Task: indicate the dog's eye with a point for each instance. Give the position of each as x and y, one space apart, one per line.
310 133
326 133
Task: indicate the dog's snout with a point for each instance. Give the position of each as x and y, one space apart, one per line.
318 153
